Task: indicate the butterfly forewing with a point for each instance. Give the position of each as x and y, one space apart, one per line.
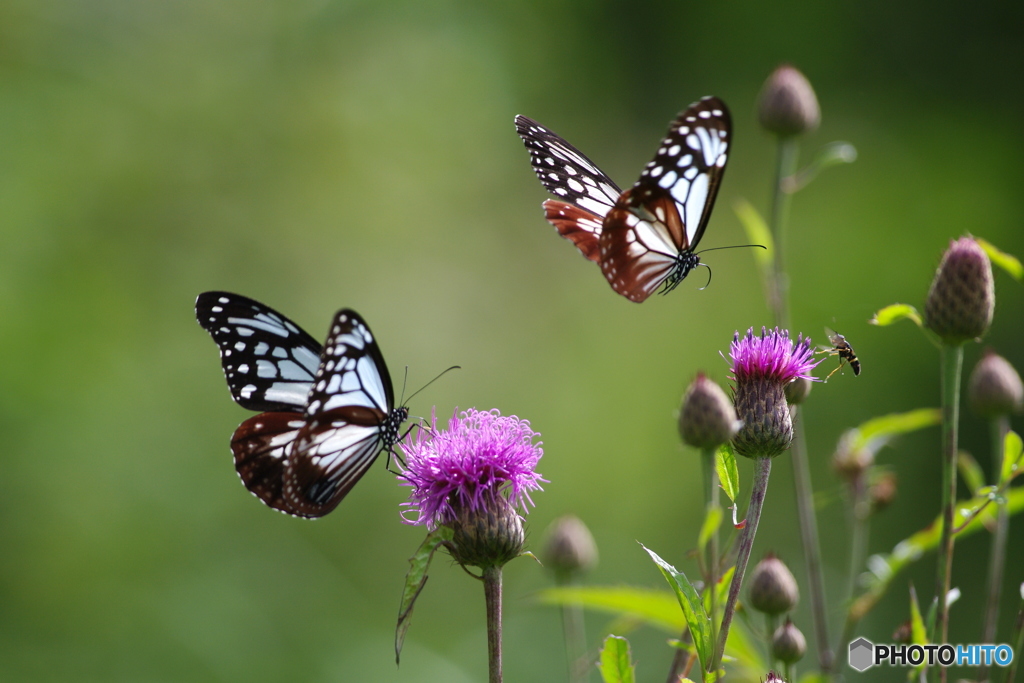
269 361
349 418
585 193
648 238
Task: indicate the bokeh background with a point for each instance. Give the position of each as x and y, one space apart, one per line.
315 154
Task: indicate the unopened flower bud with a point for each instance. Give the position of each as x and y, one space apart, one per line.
962 297
850 460
788 643
798 390
882 491
707 418
995 388
773 588
774 678
569 548
787 104
488 535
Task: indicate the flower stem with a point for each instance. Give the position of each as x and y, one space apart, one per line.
786 163
575 634
952 362
997 557
492 596
762 468
859 514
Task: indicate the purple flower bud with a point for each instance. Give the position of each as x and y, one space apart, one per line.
762 367
707 418
995 387
773 588
569 548
788 643
787 104
962 297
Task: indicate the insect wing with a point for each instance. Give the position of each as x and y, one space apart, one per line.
585 193
349 418
261 446
269 361
648 237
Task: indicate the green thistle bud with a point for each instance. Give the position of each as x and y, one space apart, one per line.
962 297
707 418
487 536
788 643
773 588
787 104
995 388
569 548
798 390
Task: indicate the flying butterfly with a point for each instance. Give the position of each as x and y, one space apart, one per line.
326 412
644 238
840 347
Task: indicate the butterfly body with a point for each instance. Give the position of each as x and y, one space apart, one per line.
328 411
643 238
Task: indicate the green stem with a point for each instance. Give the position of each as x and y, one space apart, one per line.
771 623
997 557
575 635
860 512
952 362
1018 638
787 672
492 596
786 163
762 468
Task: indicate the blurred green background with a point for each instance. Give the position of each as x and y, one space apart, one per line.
315 154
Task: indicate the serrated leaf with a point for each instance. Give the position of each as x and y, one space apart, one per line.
970 472
895 313
616 661
415 580
728 473
1013 449
693 609
712 520
757 232
1011 264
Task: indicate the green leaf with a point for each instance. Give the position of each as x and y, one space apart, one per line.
712 520
879 431
693 609
970 472
415 580
1011 264
1013 449
616 661
918 634
884 568
655 608
895 313
757 232
728 473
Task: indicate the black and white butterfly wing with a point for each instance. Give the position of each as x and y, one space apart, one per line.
585 193
349 419
269 361
649 235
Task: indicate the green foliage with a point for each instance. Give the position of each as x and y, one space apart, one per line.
1011 264
415 580
1013 451
880 431
657 608
893 313
832 154
918 632
616 661
712 520
693 609
970 471
757 232
728 473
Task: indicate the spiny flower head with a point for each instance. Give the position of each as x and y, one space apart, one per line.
762 367
481 456
962 297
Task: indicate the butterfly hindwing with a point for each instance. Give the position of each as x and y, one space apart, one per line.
261 446
349 419
648 238
269 361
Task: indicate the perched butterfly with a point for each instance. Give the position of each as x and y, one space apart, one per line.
643 238
841 347
327 412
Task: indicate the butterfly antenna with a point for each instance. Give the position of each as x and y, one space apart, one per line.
454 367
405 380
735 246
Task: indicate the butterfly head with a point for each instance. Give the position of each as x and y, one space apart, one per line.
391 429
685 262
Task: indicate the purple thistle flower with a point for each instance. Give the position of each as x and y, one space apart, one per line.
464 468
762 367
